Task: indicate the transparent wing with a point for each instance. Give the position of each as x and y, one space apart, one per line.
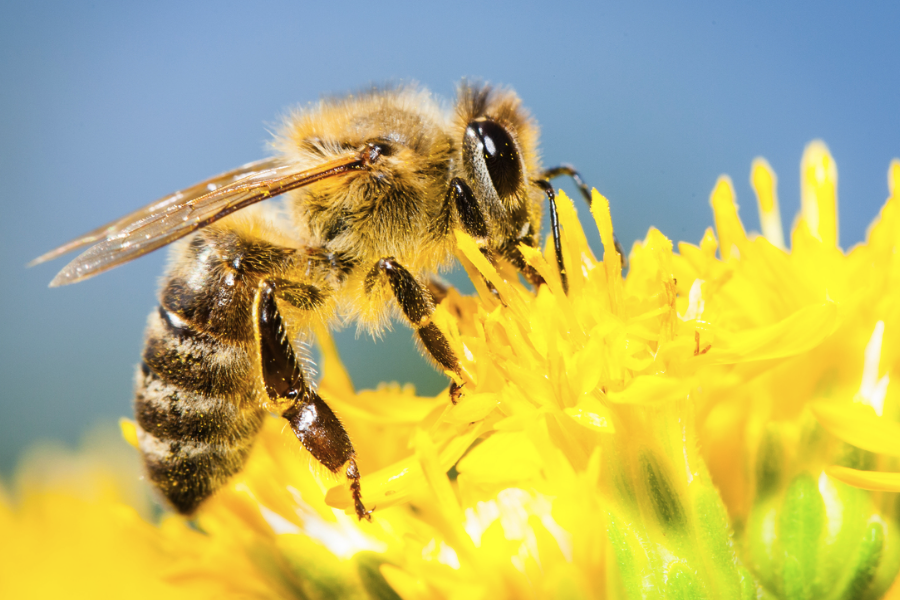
175 216
181 196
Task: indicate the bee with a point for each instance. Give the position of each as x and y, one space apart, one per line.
375 185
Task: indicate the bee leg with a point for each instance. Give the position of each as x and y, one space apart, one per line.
417 305
510 251
461 198
554 229
313 422
320 432
570 171
438 288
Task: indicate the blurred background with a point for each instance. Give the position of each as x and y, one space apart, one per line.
105 107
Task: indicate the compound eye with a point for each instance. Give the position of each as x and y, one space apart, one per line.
500 155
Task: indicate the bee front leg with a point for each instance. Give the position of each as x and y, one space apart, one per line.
311 419
570 171
461 199
417 305
510 251
554 229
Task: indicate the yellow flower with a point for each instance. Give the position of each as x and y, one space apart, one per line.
682 432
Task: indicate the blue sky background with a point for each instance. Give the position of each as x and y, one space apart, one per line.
104 107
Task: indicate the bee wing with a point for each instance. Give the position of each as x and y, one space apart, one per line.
186 195
175 216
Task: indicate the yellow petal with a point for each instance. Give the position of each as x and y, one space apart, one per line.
818 193
473 407
129 432
728 223
334 375
799 332
592 414
894 178
857 424
470 250
867 480
652 389
575 246
389 403
764 183
393 484
502 459
603 219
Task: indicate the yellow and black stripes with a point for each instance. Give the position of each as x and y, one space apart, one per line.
195 361
197 397
191 443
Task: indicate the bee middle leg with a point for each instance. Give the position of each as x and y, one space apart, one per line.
310 418
417 305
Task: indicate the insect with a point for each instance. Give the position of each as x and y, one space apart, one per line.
375 185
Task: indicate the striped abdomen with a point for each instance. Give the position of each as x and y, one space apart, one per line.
196 400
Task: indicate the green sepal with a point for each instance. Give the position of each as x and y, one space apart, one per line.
714 549
628 553
821 539
801 525
770 462
316 572
848 510
663 495
864 565
682 583
750 590
368 567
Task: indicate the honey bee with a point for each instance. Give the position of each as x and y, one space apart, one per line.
375 184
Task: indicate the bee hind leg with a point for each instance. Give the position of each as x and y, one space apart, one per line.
417 305
320 432
310 418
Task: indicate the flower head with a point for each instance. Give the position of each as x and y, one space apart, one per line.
702 427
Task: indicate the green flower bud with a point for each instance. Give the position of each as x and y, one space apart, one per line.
809 536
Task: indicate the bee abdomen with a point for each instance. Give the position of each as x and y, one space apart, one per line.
194 409
192 360
191 443
187 473
173 413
